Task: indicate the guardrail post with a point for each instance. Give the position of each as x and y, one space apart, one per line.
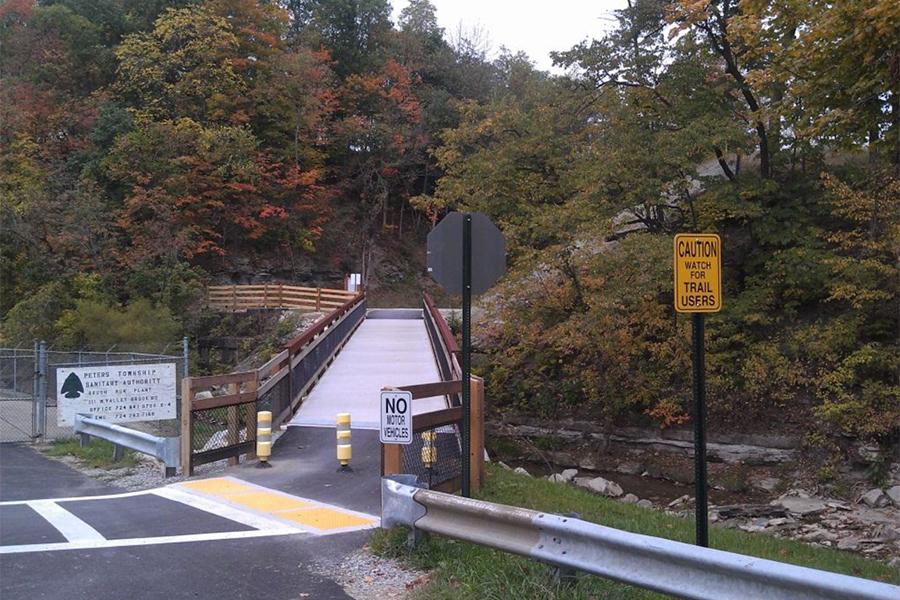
318 299
118 452
476 433
85 440
187 427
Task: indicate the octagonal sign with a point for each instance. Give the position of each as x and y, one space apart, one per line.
445 253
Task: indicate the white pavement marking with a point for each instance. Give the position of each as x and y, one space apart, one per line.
75 498
219 508
382 352
150 541
72 528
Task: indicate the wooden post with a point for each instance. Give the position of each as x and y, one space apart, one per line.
187 428
234 423
233 298
266 296
252 408
318 299
391 459
281 295
476 433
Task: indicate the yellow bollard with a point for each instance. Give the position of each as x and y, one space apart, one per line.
263 438
429 452
344 449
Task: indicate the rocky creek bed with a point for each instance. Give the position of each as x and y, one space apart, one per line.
868 525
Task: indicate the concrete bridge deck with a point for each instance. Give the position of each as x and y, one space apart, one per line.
390 348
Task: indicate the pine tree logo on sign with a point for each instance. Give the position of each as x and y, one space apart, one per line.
698 272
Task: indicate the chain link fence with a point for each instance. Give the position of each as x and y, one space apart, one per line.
29 408
435 457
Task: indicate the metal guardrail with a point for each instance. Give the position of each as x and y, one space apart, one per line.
168 450
657 564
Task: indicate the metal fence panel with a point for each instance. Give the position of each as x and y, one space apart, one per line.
309 367
28 403
448 465
18 394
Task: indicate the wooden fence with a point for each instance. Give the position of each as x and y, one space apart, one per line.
407 459
239 298
392 457
218 412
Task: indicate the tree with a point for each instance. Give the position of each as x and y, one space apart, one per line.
184 67
352 31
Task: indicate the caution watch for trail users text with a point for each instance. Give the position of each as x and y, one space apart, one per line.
698 273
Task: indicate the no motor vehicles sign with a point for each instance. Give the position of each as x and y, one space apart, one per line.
698 272
396 417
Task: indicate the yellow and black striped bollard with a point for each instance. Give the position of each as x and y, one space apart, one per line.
344 449
429 452
263 438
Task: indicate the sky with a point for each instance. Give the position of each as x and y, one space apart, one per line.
535 27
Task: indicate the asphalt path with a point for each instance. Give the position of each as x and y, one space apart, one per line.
28 475
277 567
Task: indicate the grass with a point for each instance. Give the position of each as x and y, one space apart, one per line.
97 455
465 571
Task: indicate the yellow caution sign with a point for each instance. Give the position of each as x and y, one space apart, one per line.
698 273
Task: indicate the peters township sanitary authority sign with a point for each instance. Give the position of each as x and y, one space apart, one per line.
396 417
116 393
698 273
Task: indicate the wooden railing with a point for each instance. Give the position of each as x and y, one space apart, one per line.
392 460
217 425
238 298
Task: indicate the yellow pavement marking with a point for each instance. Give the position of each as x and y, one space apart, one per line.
279 505
218 486
265 501
324 518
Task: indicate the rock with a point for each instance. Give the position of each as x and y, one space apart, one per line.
646 504
504 465
569 474
817 534
849 543
766 484
894 563
893 494
521 471
629 467
582 482
630 499
556 478
605 487
875 498
751 510
204 395
679 501
801 506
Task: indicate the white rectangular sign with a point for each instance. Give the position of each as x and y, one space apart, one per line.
396 418
116 393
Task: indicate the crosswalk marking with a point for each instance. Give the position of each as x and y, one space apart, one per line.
269 512
244 517
316 517
147 541
72 528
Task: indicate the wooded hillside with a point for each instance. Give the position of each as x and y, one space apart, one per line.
146 144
